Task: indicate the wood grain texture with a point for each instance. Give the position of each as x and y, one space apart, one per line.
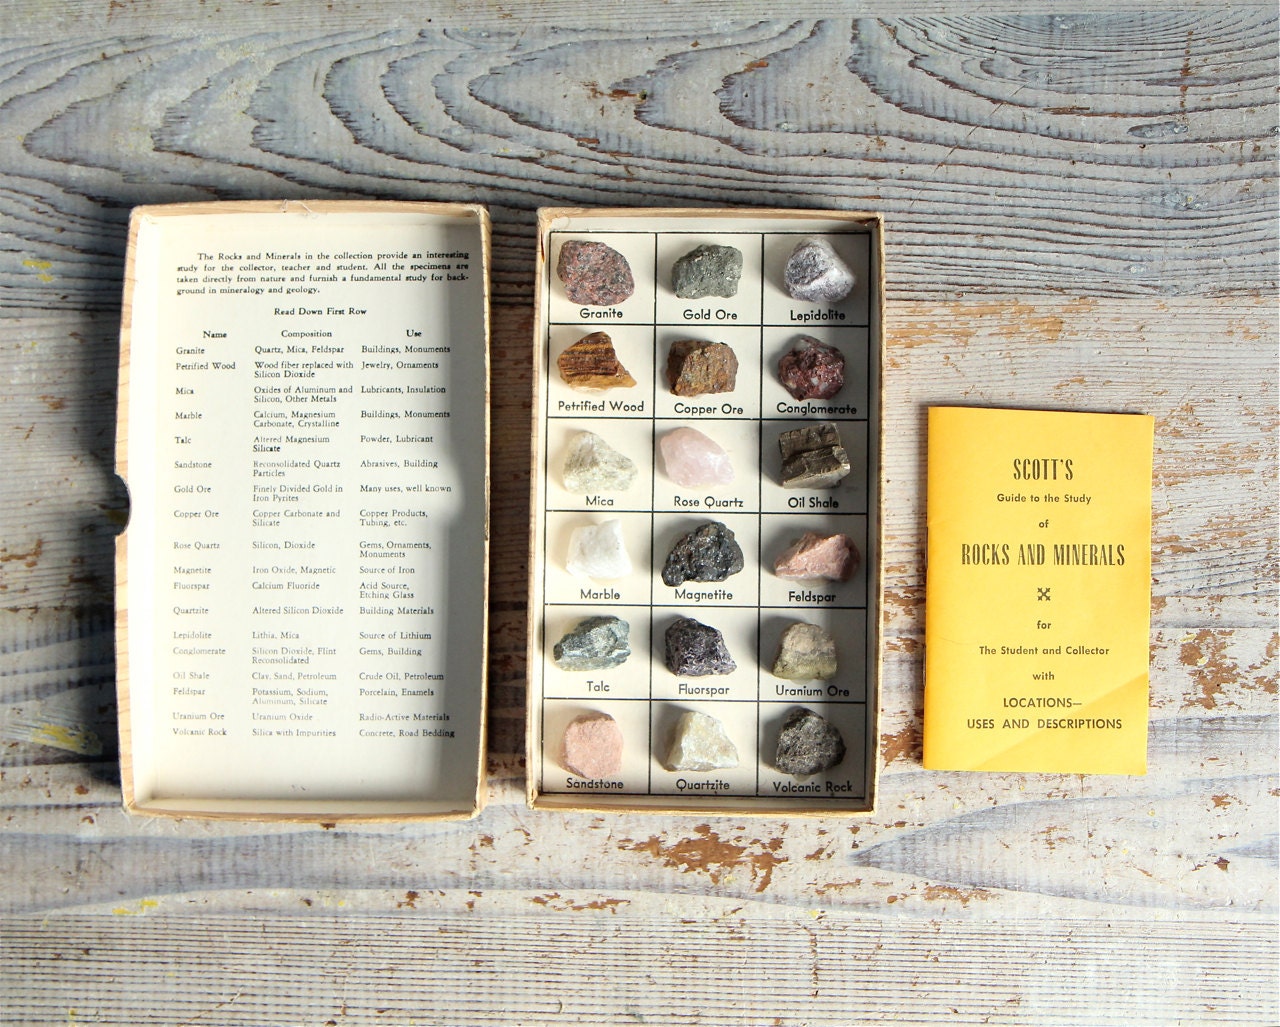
1080 215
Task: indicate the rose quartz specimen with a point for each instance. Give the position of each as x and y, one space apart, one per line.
592 746
833 557
692 458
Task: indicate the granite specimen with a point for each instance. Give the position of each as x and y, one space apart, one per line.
597 552
811 369
708 553
592 465
694 649
594 274
696 367
691 458
709 270
812 457
806 652
596 643
592 746
591 363
699 742
807 744
816 274
813 556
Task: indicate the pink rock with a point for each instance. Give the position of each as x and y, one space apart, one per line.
833 557
593 746
693 459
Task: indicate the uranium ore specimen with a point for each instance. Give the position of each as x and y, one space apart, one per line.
594 274
696 367
708 553
806 652
707 271
812 457
811 369
696 650
596 643
807 744
816 274
591 363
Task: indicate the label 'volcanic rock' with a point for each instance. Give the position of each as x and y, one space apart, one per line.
708 553
694 649
592 746
596 643
709 270
692 458
592 363
699 743
806 652
816 274
594 274
813 556
592 465
696 367
811 369
812 457
807 744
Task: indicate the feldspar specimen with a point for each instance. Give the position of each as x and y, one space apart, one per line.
707 271
596 551
592 465
699 742
812 369
695 650
692 458
596 643
812 457
806 652
591 363
807 744
592 746
815 273
594 274
813 556
708 553
696 367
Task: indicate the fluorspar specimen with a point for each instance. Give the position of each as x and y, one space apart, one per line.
691 458
812 457
594 274
592 465
596 643
591 363
707 271
696 650
696 367
806 652
592 746
708 553
811 369
813 556
597 551
816 274
699 742
807 744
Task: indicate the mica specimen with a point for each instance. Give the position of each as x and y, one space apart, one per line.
806 652
594 274
596 643
811 369
709 270
812 457
699 742
592 465
694 649
813 556
597 552
592 746
816 274
807 744
708 553
696 367
591 363
691 458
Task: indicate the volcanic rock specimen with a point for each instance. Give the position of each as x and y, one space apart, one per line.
807 744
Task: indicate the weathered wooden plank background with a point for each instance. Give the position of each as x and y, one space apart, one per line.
1081 213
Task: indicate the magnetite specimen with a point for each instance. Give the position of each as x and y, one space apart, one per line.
596 551
708 553
709 270
592 465
807 744
594 274
699 742
696 367
596 643
692 458
592 746
591 363
813 556
811 369
812 457
806 652
816 274
696 650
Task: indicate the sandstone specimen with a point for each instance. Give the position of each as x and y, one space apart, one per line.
597 551
692 458
696 367
815 273
592 465
812 369
806 652
708 553
812 457
699 742
596 643
591 363
813 556
707 271
592 746
807 744
594 274
695 650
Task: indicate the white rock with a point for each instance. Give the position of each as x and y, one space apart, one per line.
692 458
699 742
592 465
597 552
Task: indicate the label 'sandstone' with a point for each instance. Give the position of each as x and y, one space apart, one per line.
811 369
806 652
592 465
699 743
592 746
692 458
807 744
816 274
696 367
596 643
594 274
813 556
597 551
708 553
592 363
812 457
709 270
694 649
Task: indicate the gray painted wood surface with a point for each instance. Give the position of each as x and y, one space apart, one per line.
1081 214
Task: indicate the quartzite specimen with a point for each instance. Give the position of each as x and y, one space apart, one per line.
807 744
811 369
707 271
813 556
806 652
592 746
816 274
696 367
596 643
596 551
812 457
594 274
691 458
699 742
708 553
592 465
695 650
591 363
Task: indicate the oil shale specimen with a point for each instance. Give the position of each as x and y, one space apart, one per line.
816 274
594 274
692 458
694 649
811 369
709 270
596 643
592 363
806 652
813 556
699 743
592 746
807 744
708 553
696 367
592 465
812 457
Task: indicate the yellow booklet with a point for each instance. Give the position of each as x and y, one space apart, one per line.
1038 603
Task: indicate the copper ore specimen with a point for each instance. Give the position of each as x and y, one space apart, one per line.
696 367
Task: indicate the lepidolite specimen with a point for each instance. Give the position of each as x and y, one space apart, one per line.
816 274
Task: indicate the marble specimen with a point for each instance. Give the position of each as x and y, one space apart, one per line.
694 649
592 465
592 363
807 744
696 367
806 652
597 552
594 274
708 553
692 458
592 746
813 556
596 643
699 743
812 457
811 369
816 274
709 270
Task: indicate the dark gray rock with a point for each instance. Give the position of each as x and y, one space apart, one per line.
807 744
708 553
707 271
596 643
696 650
